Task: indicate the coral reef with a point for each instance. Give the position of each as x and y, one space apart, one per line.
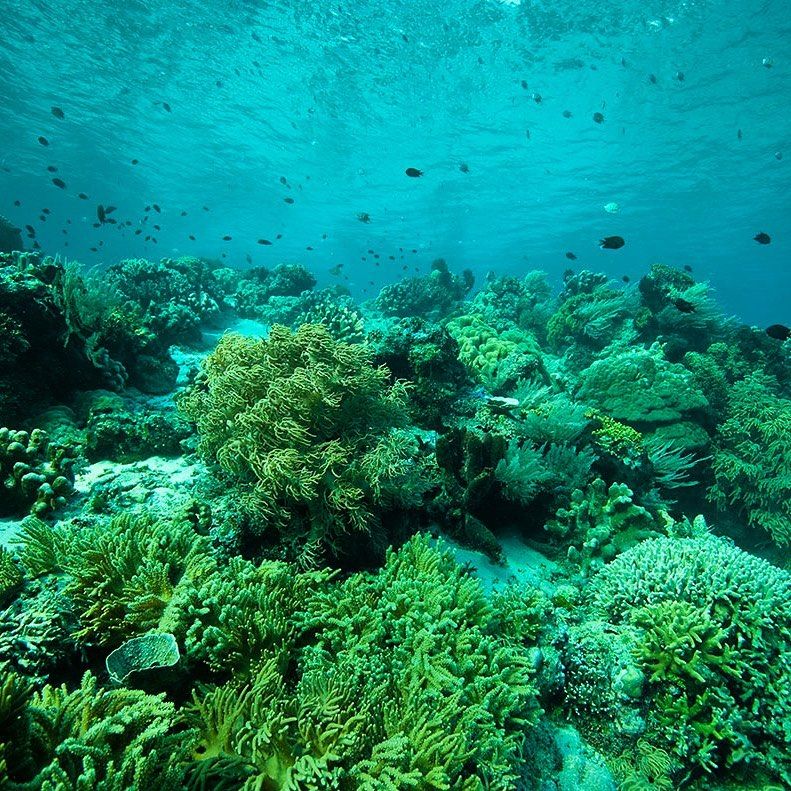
10 237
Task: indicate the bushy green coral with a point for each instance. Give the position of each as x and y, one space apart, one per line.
10 577
309 430
412 680
600 523
340 316
640 386
752 457
499 358
116 740
714 633
36 476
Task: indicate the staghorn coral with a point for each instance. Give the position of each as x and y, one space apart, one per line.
752 457
309 431
713 630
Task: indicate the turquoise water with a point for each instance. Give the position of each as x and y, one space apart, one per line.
340 98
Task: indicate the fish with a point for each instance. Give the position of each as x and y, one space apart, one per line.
625 278
183 214
567 113
524 84
308 247
157 228
82 196
288 200
52 169
248 258
279 236
218 83
227 238
100 213
684 305
42 217
283 180
94 250
147 208
680 76
363 216
264 241
109 209
45 211
59 183
778 331
652 79
612 243
464 167
413 173
571 256
43 141
598 118
166 106
135 161
255 37
687 268
739 134
156 208
205 208
336 270
58 113
30 229
138 231
111 221
192 237
17 203
762 238
537 98
778 155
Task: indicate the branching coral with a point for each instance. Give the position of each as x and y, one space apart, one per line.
714 633
752 457
309 430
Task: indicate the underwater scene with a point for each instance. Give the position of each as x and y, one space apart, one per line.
395 396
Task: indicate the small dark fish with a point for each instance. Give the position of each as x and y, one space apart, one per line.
413 173
527 134
147 208
376 255
779 331
739 134
127 223
218 83
30 229
135 161
255 37
166 106
45 211
43 141
17 203
405 38
227 238
147 238
97 225
109 209
153 239
623 62
248 258
52 169
283 180
762 238
58 113
288 200
156 208
205 208
363 216
100 213
324 236
680 76
612 243
138 231
264 241
464 167
157 228
567 113
279 236
94 250
684 305
82 196
192 237
42 217
59 183
652 79
524 84
101 243
111 221
571 256
183 214
687 268
537 98
336 270
778 155
598 118
625 278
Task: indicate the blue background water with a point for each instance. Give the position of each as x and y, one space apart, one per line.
339 98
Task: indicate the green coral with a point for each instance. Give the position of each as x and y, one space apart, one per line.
640 386
11 577
600 523
36 475
309 430
412 679
752 457
714 633
499 358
